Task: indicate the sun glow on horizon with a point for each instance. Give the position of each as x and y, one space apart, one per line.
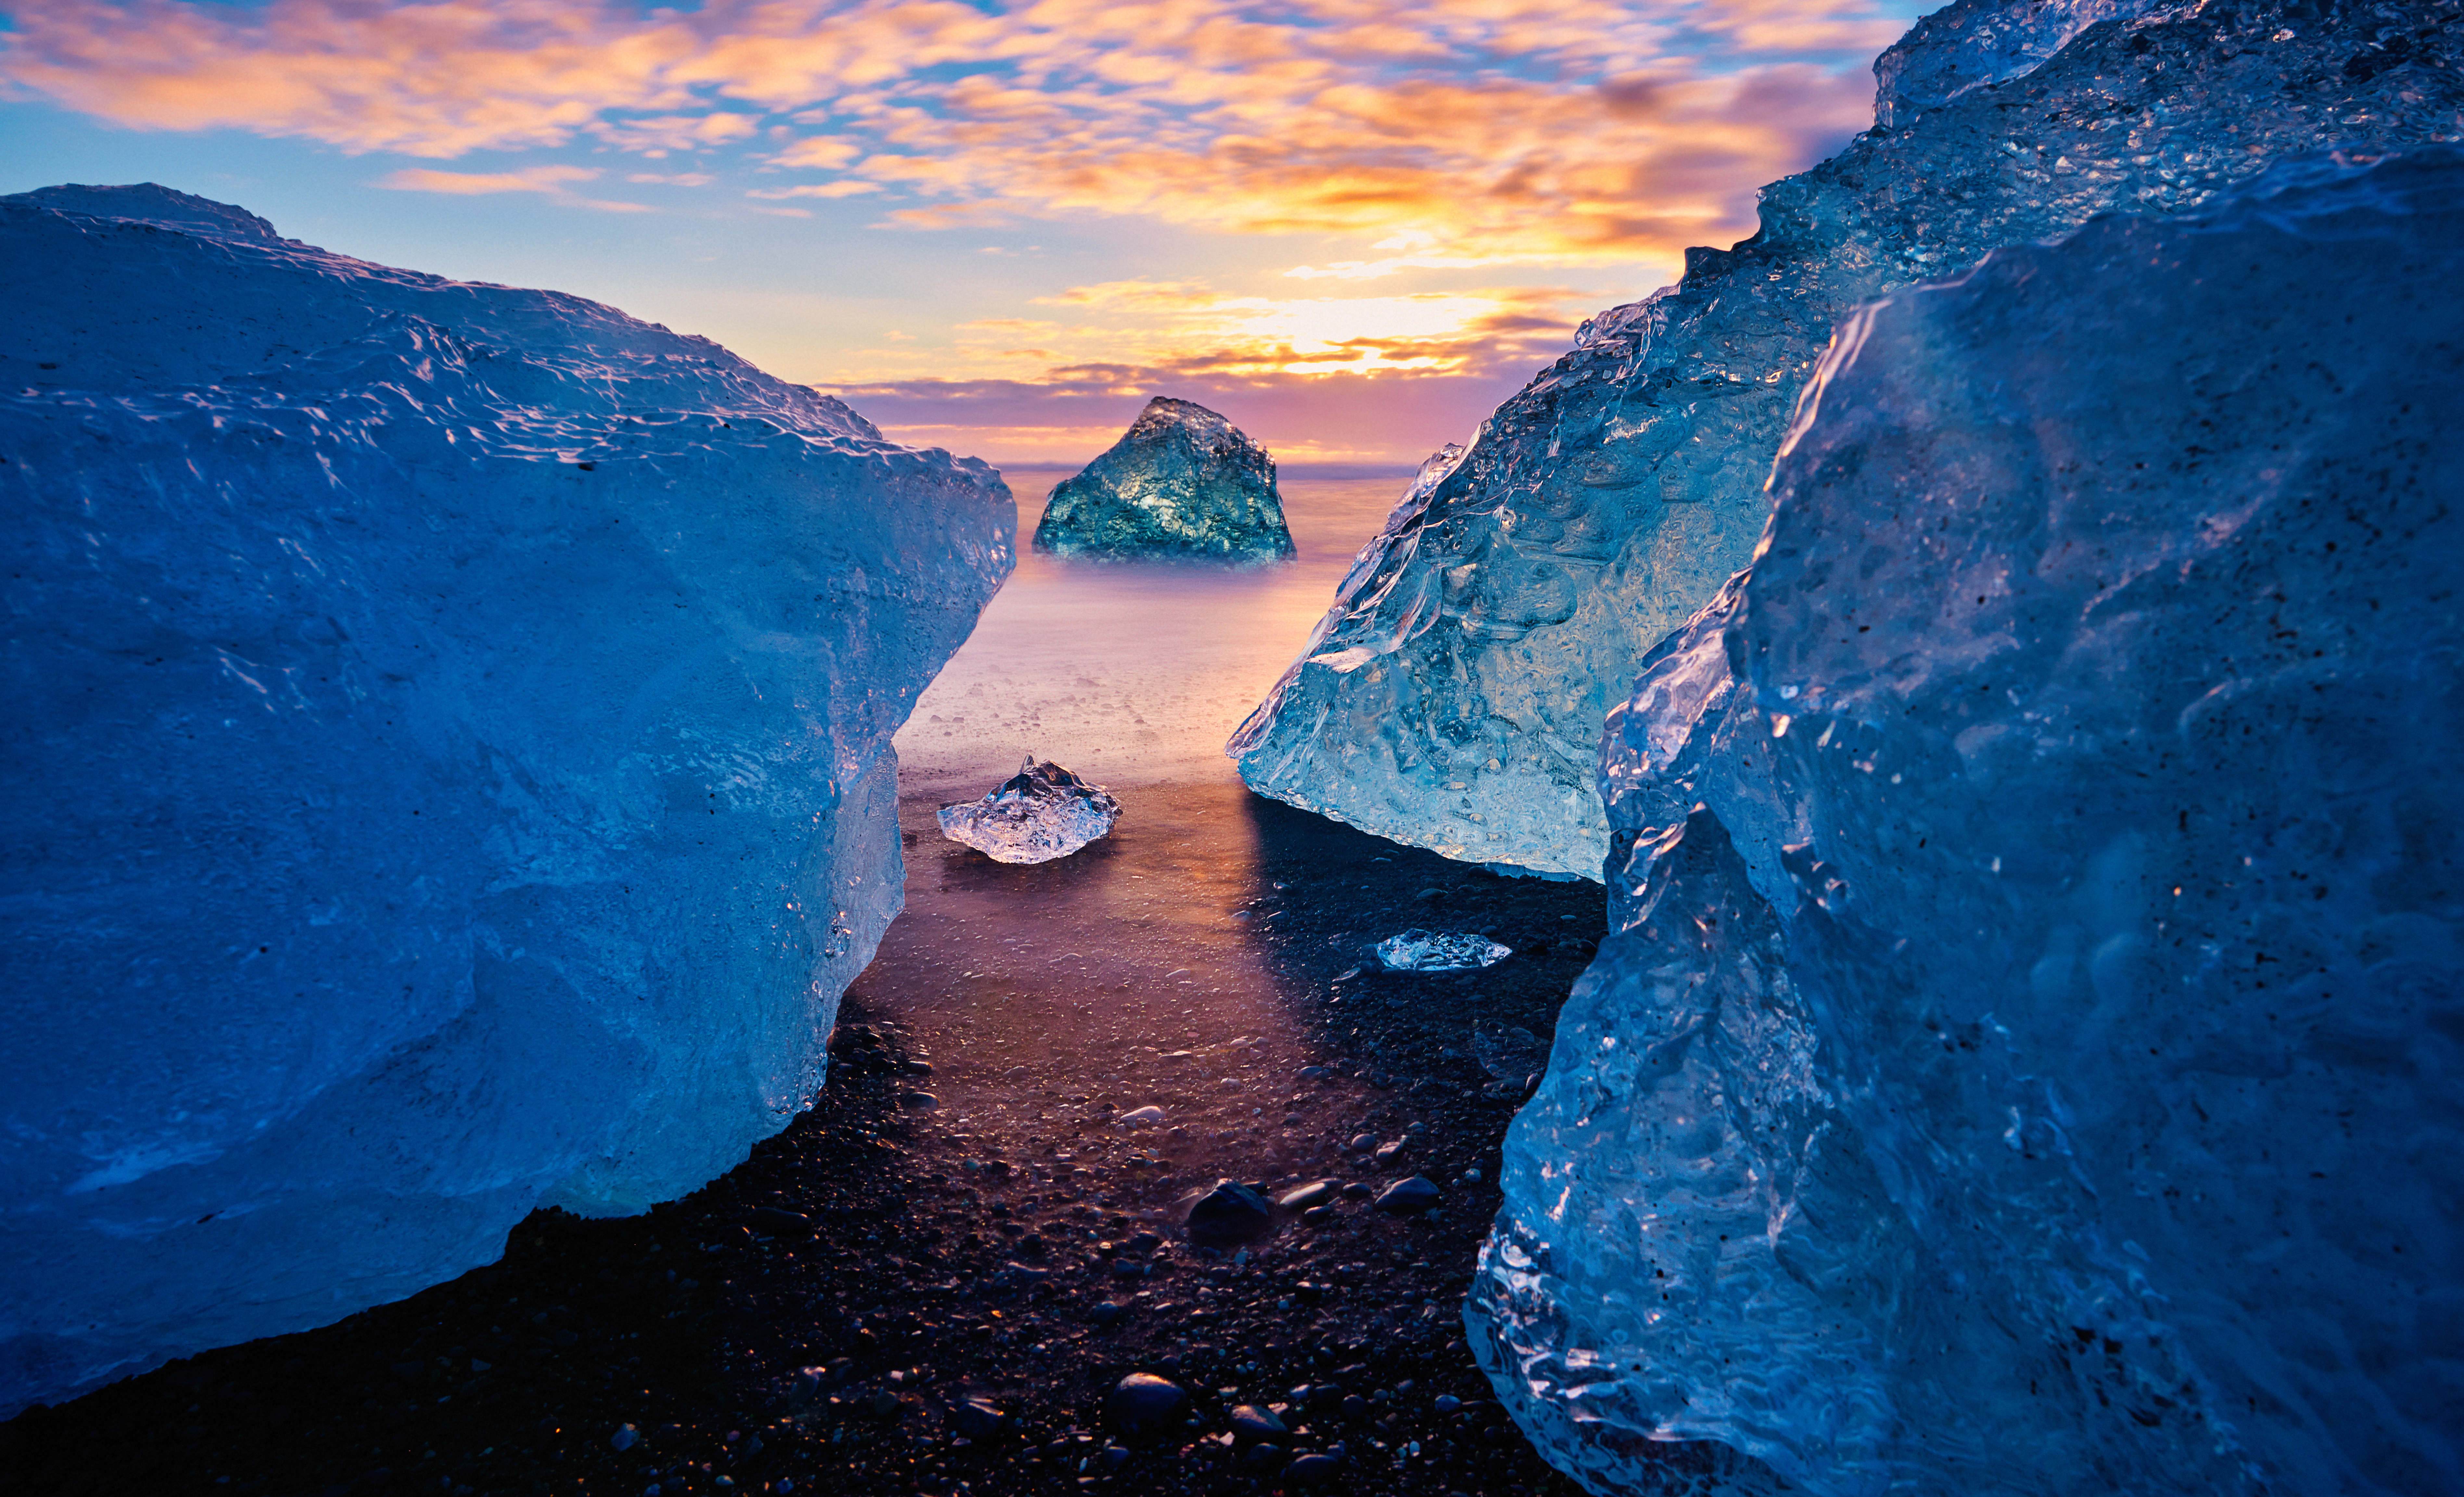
1346 188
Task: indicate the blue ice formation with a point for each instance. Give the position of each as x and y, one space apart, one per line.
2027 1053
1453 696
448 743
1182 484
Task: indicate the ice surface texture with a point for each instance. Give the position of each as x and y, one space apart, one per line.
1453 696
1040 813
448 753
1182 483
2052 1087
1435 951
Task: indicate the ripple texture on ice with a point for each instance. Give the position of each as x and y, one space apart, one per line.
2025 1058
452 730
1452 697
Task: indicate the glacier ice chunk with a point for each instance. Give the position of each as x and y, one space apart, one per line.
1040 813
1440 950
1182 483
2027 1063
451 729
1453 695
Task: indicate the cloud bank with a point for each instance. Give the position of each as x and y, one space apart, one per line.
1449 133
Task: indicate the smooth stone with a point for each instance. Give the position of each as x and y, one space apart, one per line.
1230 1212
1312 1468
980 1419
771 1222
1417 1193
1249 1418
1316 1193
1143 1404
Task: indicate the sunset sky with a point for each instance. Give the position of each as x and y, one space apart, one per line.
1351 226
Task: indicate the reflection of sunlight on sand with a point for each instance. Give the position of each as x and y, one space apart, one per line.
1133 972
1129 674
1123 977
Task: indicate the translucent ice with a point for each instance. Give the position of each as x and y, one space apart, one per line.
1040 813
449 733
1183 482
2027 1052
1440 950
1454 694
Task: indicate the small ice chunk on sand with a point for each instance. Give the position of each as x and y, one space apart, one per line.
1040 813
1435 951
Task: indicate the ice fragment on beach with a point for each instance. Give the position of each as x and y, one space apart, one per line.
1182 483
1440 950
1453 695
463 715
2030 1017
1040 813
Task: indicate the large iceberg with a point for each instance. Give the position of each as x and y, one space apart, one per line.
1182 484
1453 696
2028 1054
449 747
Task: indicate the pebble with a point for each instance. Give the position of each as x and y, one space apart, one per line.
1386 1153
1362 1143
1314 1073
1104 1312
1312 1468
1250 1420
1417 1193
1448 1403
918 1100
1358 1190
1318 1216
771 1222
1229 1213
980 1419
626 1437
1143 1404
1142 1117
1316 1193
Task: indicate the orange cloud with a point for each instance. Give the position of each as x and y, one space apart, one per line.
1149 332
1446 133
552 181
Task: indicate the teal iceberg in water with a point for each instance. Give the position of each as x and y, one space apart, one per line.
1182 484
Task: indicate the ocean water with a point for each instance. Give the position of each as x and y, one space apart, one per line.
1130 673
